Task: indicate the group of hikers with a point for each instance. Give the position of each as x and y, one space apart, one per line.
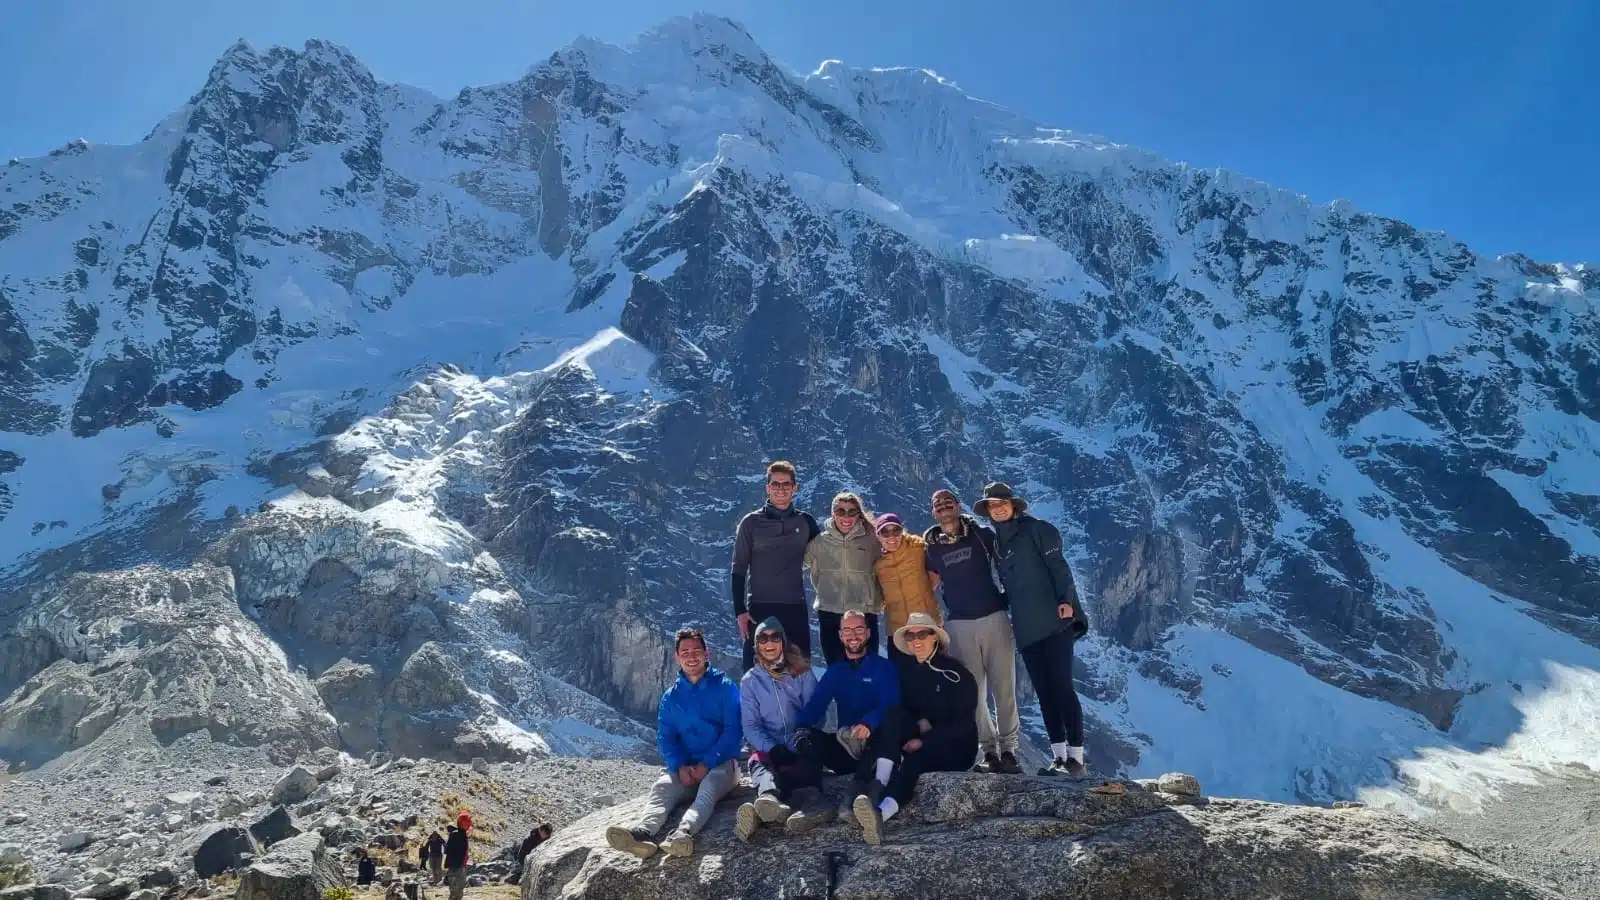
922 707
445 859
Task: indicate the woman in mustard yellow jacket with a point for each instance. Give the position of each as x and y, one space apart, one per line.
903 574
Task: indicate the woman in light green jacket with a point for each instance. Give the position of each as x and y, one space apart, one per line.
842 558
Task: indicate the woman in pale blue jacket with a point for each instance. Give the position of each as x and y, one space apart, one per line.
771 696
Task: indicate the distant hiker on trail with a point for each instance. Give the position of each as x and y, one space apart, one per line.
699 736
537 836
960 556
771 696
769 549
434 850
456 852
903 574
865 689
938 706
1046 614
366 868
841 558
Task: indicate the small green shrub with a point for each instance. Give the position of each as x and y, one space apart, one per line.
339 893
16 873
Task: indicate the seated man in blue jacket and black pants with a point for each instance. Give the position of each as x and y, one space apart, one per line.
699 735
866 688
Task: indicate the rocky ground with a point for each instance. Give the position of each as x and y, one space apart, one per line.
1549 831
109 831
163 826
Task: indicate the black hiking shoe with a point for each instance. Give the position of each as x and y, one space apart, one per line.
1008 764
989 766
1056 767
1075 769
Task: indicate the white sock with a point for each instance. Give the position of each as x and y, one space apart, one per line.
1060 750
885 769
1075 754
888 807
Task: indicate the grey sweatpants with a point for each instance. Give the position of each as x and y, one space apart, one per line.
667 793
985 647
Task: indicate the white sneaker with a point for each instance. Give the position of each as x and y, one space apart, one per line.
680 844
772 810
745 821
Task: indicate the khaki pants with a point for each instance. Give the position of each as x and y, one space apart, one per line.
457 879
666 794
984 646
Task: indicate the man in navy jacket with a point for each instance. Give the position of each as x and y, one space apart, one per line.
698 733
866 691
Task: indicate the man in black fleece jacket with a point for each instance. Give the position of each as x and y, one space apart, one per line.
938 705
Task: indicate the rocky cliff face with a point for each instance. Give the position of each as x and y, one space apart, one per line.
456 401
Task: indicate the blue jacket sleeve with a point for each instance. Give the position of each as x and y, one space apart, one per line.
729 741
888 686
759 739
816 709
673 753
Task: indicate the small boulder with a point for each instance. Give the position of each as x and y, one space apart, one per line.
145 894
155 809
295 869
1179 783
388 841
230 806
295 786
273 827
51 892
128 838
17 892
11 854
328 772
17 819
217 780
73 841
379 758
101 876
480 765
220 848
184 799
110 890
159 877
1349 804
173 822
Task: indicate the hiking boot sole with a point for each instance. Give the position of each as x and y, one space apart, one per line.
745 822
771 810
804 822
620 839
679 845
866 813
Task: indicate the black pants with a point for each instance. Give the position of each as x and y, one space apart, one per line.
832 646
782 773
820 751
1049 665
796 621
949 756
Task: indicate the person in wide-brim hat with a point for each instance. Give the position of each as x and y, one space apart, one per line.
919 622
999 490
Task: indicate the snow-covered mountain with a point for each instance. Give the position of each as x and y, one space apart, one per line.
441 413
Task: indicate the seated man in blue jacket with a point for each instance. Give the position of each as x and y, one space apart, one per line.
866 688
698 733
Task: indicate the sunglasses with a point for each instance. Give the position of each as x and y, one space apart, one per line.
892 531
918 635
769 638
781 485
846 512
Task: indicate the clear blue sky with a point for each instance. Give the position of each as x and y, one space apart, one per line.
1481 118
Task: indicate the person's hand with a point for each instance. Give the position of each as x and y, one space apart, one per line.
1064 610
924 726
686 776
912 745
745 624
861 732
700 772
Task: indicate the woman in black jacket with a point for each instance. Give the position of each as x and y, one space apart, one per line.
1045 615
938 708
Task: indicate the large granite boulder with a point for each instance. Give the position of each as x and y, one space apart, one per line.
981 836
298 868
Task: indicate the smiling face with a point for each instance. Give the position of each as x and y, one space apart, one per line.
846 513
780 489
946 508
892 537
769 647
691 656
923 642
853 634
1000 510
